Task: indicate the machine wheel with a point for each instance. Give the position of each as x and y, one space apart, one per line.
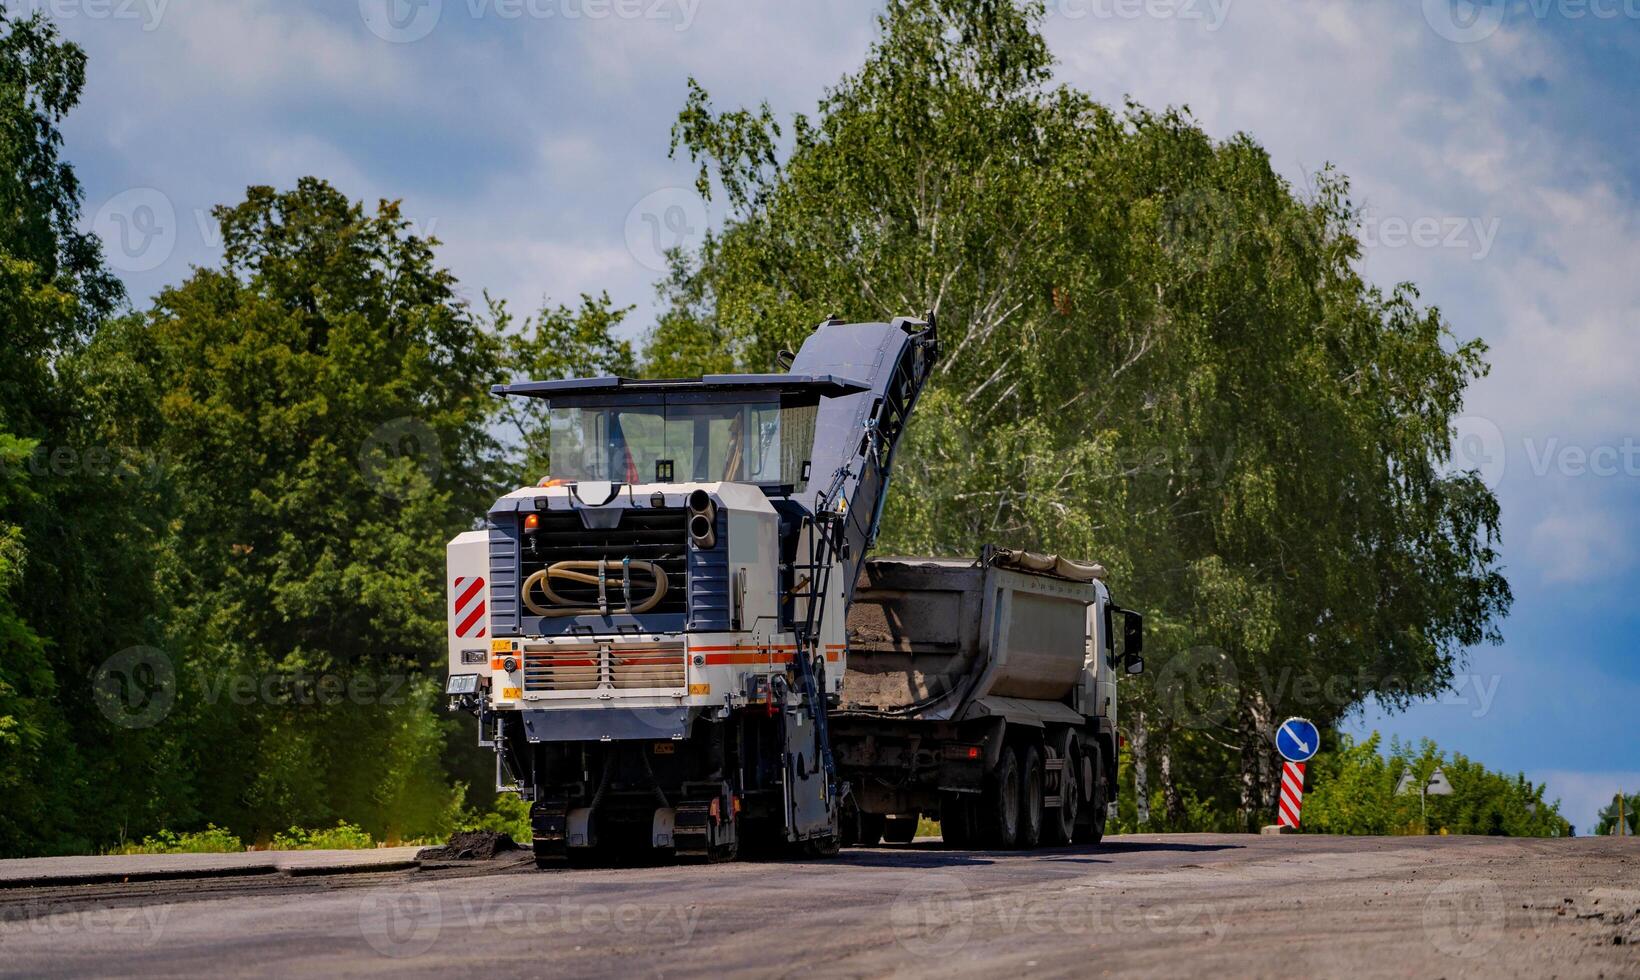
1059 823
900 830
957 820
1030 797
704 833
822 847
999 805
548 819
871 829
1091 828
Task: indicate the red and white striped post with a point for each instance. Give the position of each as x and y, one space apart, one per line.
1292 794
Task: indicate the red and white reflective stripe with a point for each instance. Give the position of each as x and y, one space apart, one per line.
1292 793
468 613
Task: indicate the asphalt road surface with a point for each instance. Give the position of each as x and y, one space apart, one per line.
1192 905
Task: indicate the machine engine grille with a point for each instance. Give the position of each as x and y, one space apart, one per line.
558 669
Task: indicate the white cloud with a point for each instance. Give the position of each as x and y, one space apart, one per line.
1583 545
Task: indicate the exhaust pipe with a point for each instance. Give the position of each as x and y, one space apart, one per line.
702 520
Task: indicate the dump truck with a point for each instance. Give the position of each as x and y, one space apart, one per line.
655 638
982 693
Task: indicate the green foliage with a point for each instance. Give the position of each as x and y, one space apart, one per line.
342 837
211 840
1353 791
509 815
1630 811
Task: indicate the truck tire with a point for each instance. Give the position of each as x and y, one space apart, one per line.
957 819
1030 797
871 829
1090 829
999 805
1059 823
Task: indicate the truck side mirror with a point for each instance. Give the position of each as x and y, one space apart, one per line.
1133 633
1133 641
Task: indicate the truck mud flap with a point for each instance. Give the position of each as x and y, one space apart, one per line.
615 724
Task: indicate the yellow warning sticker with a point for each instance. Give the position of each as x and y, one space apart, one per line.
511 693
699 690
501 646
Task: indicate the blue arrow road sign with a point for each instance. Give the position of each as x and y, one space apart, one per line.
1297 740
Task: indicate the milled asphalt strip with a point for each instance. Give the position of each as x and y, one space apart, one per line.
146 868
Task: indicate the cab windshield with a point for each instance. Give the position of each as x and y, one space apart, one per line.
664 440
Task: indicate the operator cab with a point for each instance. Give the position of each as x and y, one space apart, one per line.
754 429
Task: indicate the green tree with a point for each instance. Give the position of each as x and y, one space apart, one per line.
1158 354
1353 790
74 553
321 403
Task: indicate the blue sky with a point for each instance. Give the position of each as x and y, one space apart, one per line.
1493 146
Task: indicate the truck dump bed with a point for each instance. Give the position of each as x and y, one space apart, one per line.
943 639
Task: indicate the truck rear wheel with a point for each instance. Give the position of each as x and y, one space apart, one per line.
1030 796
1090 829
1059 822
999 806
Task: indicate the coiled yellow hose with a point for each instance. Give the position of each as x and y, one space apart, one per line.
573 571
